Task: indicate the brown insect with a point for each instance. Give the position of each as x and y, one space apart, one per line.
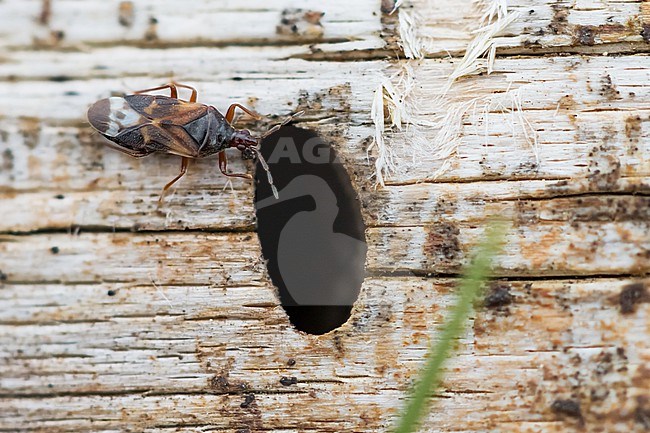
141 124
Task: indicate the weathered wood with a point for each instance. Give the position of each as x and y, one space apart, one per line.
198 349
115 316
574 237
161 24
215 208
542 26
600 105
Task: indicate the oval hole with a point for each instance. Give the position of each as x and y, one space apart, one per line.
313 236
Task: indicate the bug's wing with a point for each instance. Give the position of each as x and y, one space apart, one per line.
139 125
167 117
114 143
165 109
156 137
170 139
112 116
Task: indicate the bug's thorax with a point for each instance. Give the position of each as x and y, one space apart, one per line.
214 134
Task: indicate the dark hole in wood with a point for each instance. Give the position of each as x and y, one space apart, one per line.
313 236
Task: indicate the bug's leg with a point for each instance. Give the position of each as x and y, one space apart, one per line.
171 86
223 166
230 114
185 86
184 163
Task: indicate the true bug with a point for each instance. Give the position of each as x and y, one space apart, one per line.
142 124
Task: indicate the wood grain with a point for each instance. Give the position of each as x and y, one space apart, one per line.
544 26
116 316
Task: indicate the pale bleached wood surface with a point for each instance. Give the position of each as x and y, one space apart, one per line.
194 325
580 26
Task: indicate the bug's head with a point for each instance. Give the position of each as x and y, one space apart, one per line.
243 141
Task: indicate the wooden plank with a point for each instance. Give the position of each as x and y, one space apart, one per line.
166 257
443 27
69 84
577 236
604 115
193 348
122 209
196 204
587 115
162 24
446 26
114 316
547 249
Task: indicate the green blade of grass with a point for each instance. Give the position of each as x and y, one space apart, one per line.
474 277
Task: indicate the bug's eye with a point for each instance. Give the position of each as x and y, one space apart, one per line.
248 153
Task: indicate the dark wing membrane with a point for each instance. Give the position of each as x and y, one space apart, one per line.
98 115
153 137
165 109
132 143
180 142
147 139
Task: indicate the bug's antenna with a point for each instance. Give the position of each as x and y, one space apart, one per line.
280 125
265 166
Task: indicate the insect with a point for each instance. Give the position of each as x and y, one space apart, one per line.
142 124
